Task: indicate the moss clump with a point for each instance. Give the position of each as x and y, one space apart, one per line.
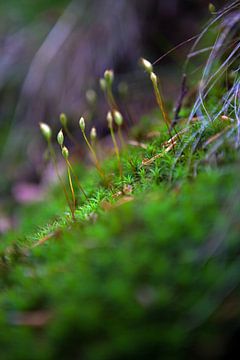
141 274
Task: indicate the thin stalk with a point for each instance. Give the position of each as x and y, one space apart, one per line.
111 100
116 150
93 145
65 154
76 179
160 101
53 156
71 188
161 105
120 135
96 161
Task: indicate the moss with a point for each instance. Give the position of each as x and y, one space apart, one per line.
135 280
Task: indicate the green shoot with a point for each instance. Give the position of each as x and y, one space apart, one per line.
146 65
155 81
65 154
91 149
93 137
47 134
159 99
106 86
212 8
116 148
119 121
60 140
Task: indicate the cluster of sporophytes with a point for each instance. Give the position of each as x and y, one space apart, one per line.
138 226
213 120
114 120
184 141
221 71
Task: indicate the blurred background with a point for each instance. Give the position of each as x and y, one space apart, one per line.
52 52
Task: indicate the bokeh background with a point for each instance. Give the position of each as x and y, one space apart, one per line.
54 51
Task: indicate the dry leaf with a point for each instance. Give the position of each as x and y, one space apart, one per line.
216 136
106 205
137 144
117 194
225 118
54 234
152 134
146 162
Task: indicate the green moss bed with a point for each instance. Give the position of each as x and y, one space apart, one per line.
152 273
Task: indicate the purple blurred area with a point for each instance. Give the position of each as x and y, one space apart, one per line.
49 62
55 59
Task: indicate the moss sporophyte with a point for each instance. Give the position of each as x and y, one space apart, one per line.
115 144
91 149
47 134
106 85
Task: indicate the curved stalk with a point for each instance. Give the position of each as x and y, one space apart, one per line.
53 156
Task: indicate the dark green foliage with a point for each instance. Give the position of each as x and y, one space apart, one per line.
152 278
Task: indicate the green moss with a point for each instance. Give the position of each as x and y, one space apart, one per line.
138 280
